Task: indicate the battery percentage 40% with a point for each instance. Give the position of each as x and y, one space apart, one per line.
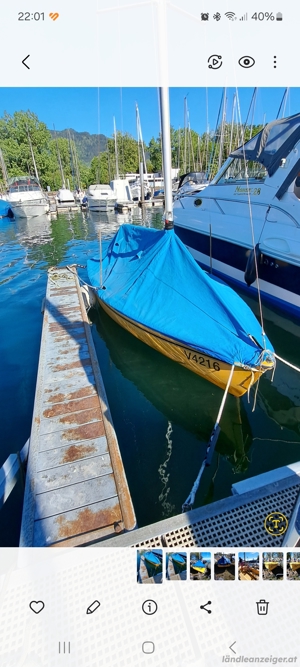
263 16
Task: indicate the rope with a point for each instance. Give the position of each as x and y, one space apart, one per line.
187 506
83 282
287 363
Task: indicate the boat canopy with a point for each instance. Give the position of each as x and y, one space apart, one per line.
23 184
272 144
150 277
195 177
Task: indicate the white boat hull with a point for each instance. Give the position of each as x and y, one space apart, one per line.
101 204
29 209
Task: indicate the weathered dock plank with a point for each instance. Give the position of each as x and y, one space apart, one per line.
76 489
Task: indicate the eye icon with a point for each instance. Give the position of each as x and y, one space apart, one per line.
246 61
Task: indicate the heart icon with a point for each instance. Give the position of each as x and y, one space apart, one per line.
37 607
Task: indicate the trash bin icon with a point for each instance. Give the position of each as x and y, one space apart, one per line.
262 607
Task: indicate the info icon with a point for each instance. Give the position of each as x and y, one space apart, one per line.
276 523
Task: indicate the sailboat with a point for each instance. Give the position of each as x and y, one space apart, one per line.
270 564
198 566
179 559
120 186
149 283
294 565
223 562
152 558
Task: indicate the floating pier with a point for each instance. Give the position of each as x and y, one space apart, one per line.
76 490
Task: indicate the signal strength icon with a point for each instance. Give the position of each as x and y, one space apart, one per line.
231 16
244 18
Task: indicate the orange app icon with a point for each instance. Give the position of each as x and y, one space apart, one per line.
54 16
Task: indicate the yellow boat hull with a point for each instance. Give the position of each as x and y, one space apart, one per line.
210 368
199 569
294 566
270 565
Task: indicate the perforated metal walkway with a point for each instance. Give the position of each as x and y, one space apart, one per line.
233 522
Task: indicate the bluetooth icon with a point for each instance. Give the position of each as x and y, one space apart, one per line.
217 16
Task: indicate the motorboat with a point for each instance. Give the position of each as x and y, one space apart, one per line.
121 189
101 197
148 282
246 223
191 182
136 190
26 197
65 197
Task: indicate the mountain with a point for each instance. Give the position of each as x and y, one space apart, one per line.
88 145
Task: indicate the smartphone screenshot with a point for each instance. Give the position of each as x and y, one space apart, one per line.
149 333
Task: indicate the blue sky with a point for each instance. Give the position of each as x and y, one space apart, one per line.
92 109
249 555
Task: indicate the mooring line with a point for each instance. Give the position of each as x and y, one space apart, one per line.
210 449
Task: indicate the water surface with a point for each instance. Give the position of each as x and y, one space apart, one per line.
163 414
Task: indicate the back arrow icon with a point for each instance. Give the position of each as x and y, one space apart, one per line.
23 61
232 648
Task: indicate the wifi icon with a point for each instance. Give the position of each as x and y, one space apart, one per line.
54 16
231 16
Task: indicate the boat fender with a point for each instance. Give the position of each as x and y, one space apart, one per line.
250 271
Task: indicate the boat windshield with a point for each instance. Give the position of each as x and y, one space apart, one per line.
23 188
238 171
23 184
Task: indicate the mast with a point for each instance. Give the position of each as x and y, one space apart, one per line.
32 155
232 123
72 159
116 150
59 161
185 130
140 138
166 150
222 131
4 170
76 163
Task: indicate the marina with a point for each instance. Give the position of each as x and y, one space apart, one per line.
117 430
143 389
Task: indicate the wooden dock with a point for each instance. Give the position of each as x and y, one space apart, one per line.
76 490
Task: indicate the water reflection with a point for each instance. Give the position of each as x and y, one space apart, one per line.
189 406
163 414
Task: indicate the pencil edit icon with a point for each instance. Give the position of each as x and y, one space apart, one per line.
93 607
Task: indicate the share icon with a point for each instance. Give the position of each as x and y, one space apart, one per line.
203 606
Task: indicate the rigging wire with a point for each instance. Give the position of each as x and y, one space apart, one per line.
251 224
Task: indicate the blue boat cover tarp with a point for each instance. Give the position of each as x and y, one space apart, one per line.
198 563
223 561
4 208
150 277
